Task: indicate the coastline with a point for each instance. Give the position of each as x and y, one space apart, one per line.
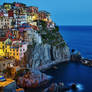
50 65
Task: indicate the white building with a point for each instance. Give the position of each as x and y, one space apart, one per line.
23 49
5 22
20 19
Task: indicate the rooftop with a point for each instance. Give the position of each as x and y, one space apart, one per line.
3 38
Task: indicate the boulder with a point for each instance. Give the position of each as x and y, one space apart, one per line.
75 55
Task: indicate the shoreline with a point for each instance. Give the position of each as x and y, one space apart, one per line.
50 65
55 63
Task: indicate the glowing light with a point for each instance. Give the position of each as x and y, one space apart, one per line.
79 87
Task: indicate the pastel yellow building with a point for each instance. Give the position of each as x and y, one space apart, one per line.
2 52
31 19
8 50
2 45
14 52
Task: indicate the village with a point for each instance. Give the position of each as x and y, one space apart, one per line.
19 28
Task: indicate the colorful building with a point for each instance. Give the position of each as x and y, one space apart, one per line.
44 15
7 6
10 13
6 22
2 45
1 14
4 63
7 50
15 33
31 19
12 49
8 85
33 9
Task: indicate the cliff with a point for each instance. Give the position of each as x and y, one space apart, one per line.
52 50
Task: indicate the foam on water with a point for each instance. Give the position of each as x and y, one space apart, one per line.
79 87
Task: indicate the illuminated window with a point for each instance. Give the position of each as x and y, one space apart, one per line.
17 50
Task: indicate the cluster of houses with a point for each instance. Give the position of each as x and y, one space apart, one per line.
15 14
18 27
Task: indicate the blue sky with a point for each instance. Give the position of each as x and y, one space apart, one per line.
64 12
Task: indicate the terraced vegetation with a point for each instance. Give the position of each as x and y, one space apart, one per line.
52 37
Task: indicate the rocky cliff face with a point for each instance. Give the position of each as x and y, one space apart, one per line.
53 49
46 54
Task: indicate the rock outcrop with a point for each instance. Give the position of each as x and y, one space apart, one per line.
47 54
52 50
75 55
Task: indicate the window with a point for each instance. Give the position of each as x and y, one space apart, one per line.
13 53
20 54
20 49
1 20
8 64
10 49
6 51
17 50
4 65
3 42
3 47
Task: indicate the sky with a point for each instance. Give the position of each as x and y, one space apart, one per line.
64 12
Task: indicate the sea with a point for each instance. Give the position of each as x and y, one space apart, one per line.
78 38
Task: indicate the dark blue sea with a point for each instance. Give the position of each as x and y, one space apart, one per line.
79 38
72 72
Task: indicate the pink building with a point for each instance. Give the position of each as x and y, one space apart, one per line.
22 49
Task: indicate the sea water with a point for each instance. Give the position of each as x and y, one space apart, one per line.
79 38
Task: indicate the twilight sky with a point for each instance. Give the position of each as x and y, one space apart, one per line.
64 12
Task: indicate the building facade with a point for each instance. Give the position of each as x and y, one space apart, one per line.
5 23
